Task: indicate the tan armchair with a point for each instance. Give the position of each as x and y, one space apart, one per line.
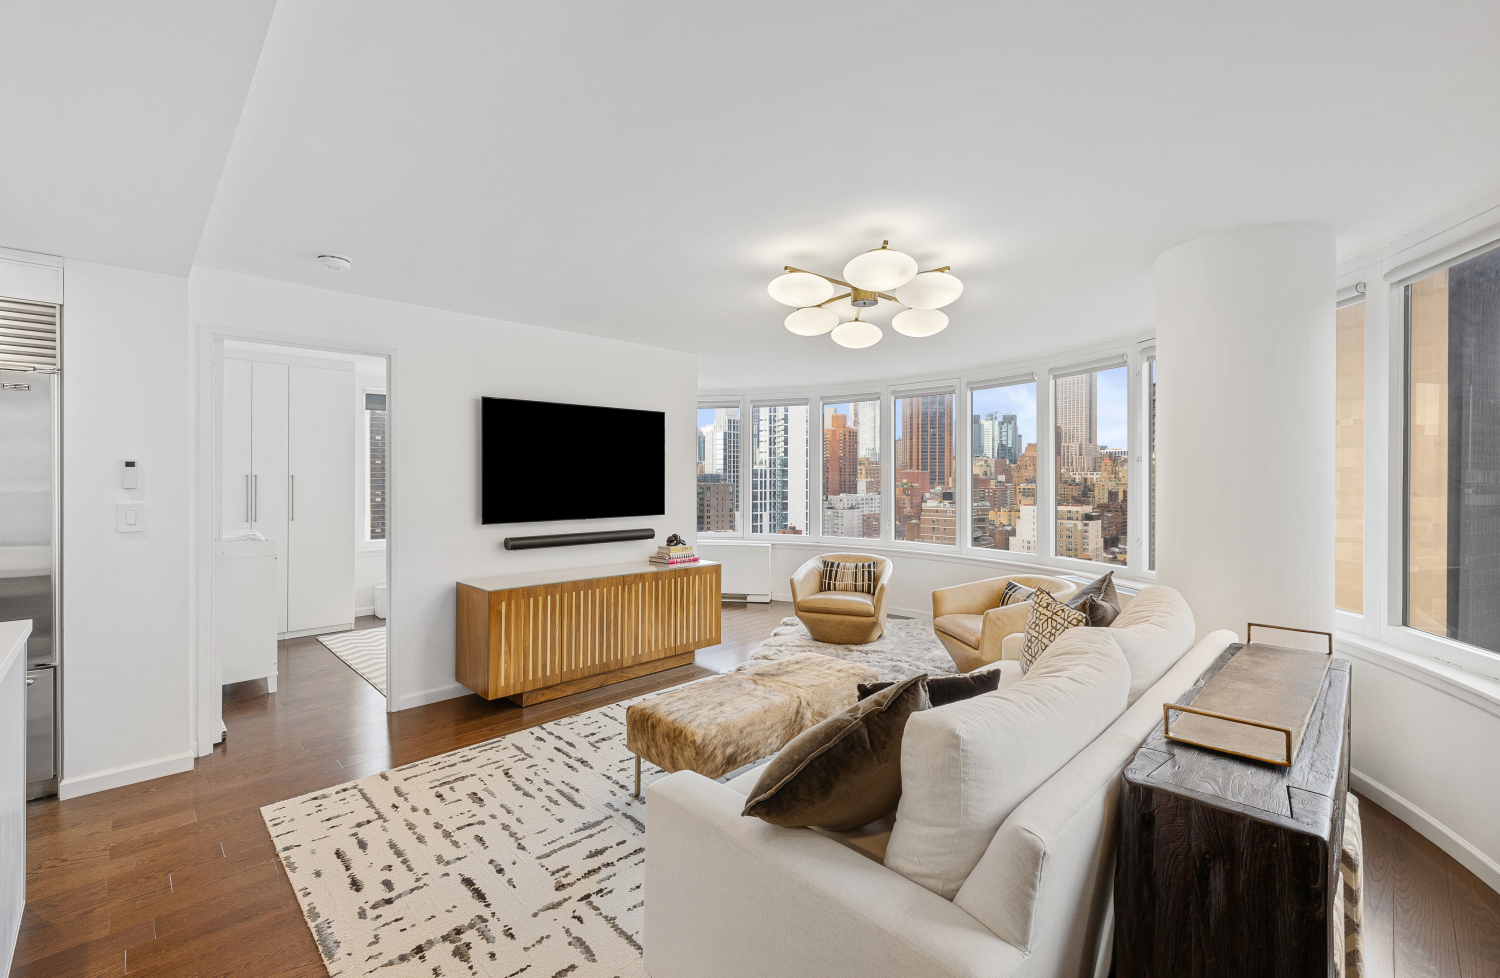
841 617
971 624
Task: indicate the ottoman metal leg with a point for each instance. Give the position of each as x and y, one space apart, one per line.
637 775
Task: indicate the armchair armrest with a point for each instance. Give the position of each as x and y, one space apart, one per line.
998 623
807 581
968 599
735 897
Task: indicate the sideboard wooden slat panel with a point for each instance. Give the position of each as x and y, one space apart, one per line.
521 639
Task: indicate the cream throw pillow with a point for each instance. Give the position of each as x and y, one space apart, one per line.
965 767
1048 619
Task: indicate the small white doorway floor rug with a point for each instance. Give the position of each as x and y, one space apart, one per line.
363 651
524 855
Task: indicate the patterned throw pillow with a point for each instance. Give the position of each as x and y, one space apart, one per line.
839 576
1015 594
1049 618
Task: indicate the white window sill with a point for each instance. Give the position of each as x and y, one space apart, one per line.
1477 690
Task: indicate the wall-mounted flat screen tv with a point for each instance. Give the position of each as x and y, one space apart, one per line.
543 461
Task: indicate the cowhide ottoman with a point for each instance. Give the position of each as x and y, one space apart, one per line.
728 721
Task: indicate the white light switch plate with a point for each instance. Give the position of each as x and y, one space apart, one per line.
130 517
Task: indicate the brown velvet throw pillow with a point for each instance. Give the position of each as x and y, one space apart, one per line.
946 689
846 771
1099 600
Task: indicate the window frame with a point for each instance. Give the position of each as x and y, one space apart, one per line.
747 465
740 404
1124 350
974 387
1384 274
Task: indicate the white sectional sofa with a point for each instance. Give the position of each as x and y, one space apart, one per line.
734 897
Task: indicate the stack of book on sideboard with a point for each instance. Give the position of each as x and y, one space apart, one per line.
674 556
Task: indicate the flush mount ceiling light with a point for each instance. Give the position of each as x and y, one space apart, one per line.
336 262
875 275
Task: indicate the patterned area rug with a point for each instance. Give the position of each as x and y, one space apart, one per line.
363 651
524 855
908 648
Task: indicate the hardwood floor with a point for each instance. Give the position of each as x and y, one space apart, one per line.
178 876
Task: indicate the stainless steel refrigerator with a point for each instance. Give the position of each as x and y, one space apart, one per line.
31 518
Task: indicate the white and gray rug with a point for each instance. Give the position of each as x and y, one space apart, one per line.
524 855
908 648
363 651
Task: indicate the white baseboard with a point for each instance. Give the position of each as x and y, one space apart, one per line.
435 695
1439 834
320 630
364 612
118 777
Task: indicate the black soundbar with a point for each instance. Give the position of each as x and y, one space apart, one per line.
576 539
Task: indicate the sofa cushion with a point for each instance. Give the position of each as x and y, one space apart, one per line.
1045 623
1154 631
965 628
942 690
846 771
839 603
964 768
1098 600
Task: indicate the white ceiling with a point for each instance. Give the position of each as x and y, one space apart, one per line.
115 121
640 171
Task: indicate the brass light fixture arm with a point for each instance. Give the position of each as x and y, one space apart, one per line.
837 281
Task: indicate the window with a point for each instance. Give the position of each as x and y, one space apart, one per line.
1349 471
1002 482
778 473
376 473
1453 452
851 469
1090 410
1151 435
718 470
925 510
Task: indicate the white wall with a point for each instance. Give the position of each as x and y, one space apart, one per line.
12 785
443 363
126 640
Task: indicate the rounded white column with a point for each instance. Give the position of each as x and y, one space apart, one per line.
1245 343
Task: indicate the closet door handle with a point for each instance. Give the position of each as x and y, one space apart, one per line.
247 499
255 496
291 497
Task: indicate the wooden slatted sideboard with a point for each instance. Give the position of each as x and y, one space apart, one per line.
535 637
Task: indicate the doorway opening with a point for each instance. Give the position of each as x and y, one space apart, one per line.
300 572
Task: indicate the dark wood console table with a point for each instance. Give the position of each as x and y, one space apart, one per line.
535 637
1228 867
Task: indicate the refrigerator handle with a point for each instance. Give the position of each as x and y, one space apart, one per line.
255 497
247 499
291 496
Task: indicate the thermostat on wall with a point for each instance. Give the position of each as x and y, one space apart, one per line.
127 474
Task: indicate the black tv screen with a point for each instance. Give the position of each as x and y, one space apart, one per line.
545 461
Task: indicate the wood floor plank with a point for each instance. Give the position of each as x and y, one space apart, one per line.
1381 832
1476 919
1425 938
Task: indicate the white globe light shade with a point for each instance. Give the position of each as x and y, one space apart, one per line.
857 335
880 270
930 290
800 289
920 322
812 321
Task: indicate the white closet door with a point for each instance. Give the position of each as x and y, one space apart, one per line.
268 501
236 445
321 530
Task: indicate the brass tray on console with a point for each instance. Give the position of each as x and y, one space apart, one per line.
1258 704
